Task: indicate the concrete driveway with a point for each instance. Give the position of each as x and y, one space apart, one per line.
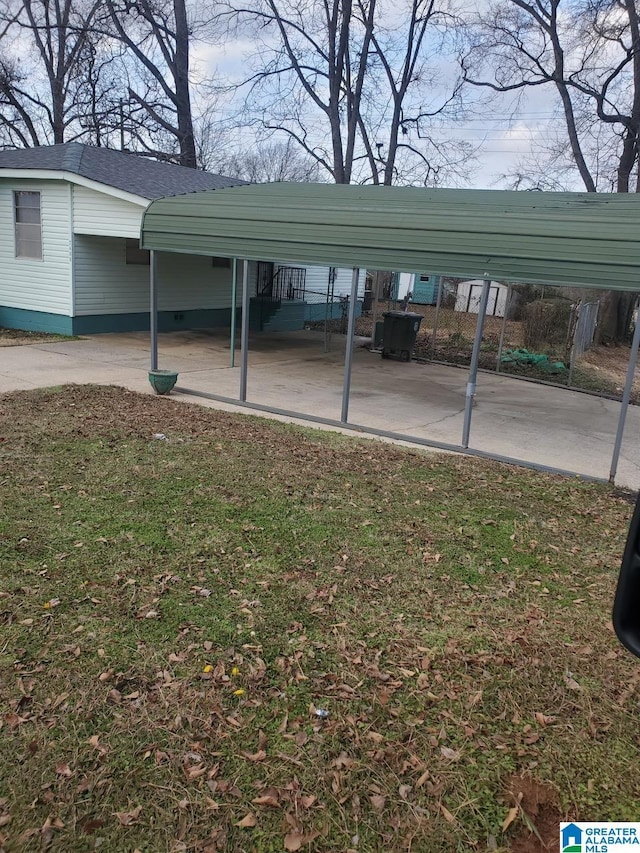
523 420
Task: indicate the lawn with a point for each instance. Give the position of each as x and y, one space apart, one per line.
246 636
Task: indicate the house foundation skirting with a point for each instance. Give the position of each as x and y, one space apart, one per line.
94 324
35 321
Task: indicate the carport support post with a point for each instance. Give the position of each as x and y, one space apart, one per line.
348 353
244 334
473 367
504 326
436 319
631 368
234 299
153 309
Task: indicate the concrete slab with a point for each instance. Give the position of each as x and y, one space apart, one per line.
535 423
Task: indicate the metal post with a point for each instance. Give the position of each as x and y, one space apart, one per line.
436 319
326 312
348 353
504 326
244 334
153 308
473 367
234 300
375 304
631 367
574 319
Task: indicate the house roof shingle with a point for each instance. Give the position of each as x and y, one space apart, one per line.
119 169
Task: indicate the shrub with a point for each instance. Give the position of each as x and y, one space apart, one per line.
546 323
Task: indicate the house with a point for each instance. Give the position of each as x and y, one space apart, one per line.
422 286
468 298
70 218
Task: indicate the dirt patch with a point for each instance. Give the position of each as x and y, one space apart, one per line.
19 338
539 813
611 362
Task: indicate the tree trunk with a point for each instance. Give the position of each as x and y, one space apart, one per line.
615 317
183 95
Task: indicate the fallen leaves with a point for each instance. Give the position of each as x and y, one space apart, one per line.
446 814
378 802
293 840
394 681
512 814
260 755
130 817
270 800
450 754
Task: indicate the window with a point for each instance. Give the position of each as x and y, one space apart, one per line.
224 263
135 255
28 228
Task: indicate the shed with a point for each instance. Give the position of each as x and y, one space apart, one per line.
469 295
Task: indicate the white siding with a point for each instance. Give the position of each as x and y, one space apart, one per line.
105 284
31 284
98 213
469 293
316 283
405 284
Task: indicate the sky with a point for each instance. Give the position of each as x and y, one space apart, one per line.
501 140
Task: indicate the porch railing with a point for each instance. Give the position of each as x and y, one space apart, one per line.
287 284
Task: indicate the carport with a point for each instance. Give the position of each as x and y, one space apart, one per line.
561 239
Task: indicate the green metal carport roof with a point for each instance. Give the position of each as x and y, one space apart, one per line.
583 239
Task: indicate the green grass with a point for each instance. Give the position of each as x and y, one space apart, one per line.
451 616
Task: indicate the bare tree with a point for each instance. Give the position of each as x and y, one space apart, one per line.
156 33
47 46
269 162
347 81
589 54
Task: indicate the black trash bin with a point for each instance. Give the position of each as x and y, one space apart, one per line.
399 334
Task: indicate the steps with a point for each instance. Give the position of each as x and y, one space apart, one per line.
267 315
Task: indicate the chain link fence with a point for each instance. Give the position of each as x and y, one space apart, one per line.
541 334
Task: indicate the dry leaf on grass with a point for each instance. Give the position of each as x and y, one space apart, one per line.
571 683
260 755
451 754
293 841
378 801
447 814
247 821
512 814
127 818
267 800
